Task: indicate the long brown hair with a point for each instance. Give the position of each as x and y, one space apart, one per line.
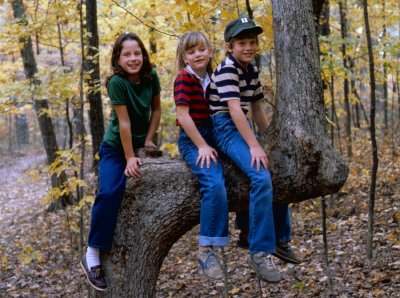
116 52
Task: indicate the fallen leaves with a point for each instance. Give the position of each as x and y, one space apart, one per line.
39 251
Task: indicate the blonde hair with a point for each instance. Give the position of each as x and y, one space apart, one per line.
190 40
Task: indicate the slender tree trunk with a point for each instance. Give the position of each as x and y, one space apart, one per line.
343 29
79 189
10 132
327 268
398 95
354 92
93 72
249 10
45 122
385 85
372 128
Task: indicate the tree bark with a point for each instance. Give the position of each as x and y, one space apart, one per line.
372 128
92 64
164 203
343 29
303 163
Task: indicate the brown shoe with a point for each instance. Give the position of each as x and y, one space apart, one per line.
285 252
95 275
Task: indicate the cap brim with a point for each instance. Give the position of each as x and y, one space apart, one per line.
253 29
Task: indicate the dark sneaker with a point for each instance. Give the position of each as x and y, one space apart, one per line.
264 267
210 265
243 241
285 252
95 275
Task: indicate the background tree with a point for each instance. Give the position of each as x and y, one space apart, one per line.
41 105
92 71
372 128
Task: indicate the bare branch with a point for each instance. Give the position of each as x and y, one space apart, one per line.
153 28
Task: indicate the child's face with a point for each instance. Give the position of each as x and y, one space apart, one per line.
244 49
131 58
198 57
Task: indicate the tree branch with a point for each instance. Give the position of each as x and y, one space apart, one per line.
153 28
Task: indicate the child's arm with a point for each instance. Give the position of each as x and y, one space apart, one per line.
259 116
132 162
205 151
154 121
258 154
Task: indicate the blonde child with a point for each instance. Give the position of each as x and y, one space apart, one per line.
197 147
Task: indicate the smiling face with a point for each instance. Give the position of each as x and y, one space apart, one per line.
131 59
243 49
198 58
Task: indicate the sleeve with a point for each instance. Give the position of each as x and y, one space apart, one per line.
117 91
182 90
155 82
227 82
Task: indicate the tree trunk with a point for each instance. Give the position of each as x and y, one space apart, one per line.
343 29
93 72
303 162
375 160
164 203
45 122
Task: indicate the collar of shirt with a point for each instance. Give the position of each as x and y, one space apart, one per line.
250 66
204 82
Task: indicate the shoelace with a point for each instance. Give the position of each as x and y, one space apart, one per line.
211 260
265 260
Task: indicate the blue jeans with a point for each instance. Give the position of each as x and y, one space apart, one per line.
261 217
112 181
214 203
282 222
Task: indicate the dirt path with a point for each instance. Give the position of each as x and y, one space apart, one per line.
19 192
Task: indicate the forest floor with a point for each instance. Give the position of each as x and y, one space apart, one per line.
39 250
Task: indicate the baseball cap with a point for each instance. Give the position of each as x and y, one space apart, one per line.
237 26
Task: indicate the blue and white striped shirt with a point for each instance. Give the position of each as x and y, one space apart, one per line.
230 82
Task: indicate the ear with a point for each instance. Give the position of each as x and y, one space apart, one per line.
228 47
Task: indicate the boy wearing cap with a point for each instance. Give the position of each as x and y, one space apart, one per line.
234 89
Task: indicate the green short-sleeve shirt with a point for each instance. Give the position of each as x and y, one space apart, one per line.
137 98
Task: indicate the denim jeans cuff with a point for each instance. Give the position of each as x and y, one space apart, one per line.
100 247
213 241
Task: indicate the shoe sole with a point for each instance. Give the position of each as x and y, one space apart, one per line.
259 275
87 277
286 259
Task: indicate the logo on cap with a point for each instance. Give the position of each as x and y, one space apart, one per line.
244 20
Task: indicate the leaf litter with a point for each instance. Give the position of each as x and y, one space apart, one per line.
39 251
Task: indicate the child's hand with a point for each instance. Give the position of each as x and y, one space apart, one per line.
258 156
149 144
133 167
205 154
